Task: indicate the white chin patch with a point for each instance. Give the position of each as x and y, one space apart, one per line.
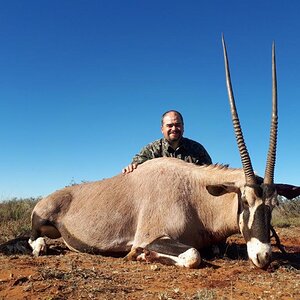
259 253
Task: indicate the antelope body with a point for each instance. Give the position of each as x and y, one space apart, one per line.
167 209
162 198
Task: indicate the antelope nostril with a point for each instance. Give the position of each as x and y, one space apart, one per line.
263 258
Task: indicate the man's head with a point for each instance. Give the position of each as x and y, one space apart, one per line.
172 126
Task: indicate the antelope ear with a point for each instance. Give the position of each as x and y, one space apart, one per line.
221 189
287 190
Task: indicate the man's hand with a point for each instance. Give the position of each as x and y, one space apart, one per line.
129 168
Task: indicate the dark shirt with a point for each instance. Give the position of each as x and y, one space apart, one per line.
188 150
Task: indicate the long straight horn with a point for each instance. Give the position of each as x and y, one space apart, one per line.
245 158
269 173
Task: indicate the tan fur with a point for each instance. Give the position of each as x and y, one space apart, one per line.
163 197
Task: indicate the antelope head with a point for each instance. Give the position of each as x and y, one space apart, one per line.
256 199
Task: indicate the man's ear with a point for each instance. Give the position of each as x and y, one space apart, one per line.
221 189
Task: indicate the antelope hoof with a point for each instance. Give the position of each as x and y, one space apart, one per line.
134 254
38 246
190 259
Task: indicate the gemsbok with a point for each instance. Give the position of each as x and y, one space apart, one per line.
168 209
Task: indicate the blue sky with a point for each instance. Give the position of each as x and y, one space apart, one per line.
83 84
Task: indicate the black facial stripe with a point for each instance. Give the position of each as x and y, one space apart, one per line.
260 228
261 223
245 230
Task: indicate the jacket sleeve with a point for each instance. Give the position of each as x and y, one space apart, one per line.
148 152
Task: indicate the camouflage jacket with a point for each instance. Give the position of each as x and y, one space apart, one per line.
188 150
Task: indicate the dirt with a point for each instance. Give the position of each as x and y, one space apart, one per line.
64 274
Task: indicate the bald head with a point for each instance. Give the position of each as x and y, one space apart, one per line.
172 127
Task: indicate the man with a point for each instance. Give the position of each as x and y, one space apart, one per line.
173 144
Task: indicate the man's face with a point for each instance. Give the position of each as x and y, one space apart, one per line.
172 127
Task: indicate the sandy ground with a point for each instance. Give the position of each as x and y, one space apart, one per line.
67 275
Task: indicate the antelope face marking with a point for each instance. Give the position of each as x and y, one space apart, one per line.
255 222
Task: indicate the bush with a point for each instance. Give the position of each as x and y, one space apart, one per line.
287 213
15 217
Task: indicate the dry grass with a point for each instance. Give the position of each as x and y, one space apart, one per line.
67 275
287 213
15 218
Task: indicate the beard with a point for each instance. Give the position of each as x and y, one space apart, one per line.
175 136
